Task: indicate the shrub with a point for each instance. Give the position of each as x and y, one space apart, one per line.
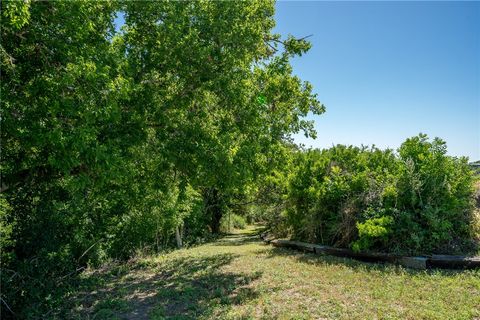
371 232
416 201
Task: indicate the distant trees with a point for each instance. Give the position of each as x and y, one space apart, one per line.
112 142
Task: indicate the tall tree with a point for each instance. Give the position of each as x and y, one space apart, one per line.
219 88
110 137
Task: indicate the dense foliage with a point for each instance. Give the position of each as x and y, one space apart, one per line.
116 141
175 128
416 201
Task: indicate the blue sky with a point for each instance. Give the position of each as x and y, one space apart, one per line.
389 70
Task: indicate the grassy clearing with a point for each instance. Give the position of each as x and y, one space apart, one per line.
238 277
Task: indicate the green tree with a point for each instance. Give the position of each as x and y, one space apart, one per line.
113 141
219 89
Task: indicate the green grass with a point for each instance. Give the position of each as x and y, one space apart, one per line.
239 277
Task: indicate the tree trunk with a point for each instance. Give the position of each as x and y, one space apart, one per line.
229 222
178 237
216 217
214 208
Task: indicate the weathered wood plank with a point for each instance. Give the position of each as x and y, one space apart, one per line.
434 261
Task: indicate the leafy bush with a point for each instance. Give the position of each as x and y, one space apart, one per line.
416 201
372 231
329 190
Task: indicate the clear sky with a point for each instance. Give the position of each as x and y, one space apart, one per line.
389 70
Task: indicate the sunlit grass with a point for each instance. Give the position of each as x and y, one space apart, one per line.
239 277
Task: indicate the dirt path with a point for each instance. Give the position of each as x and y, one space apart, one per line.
239 277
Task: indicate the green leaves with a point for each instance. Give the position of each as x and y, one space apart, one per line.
418 201
371 232
16 13
295 46
113 137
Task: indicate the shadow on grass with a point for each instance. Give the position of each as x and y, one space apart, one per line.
180 288
237 240
356 265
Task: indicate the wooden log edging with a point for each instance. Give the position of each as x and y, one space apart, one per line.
423 262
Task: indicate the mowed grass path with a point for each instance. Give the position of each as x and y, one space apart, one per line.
239 277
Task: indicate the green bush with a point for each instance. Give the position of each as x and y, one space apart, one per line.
372 231
418 200
151 228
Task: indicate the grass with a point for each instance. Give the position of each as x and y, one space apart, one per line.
239 277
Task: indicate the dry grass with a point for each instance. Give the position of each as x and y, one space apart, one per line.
239 277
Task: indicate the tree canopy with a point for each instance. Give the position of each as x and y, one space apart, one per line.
114 140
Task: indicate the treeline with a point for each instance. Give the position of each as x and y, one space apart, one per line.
418 200
115 141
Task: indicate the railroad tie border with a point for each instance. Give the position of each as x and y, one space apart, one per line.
422 262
